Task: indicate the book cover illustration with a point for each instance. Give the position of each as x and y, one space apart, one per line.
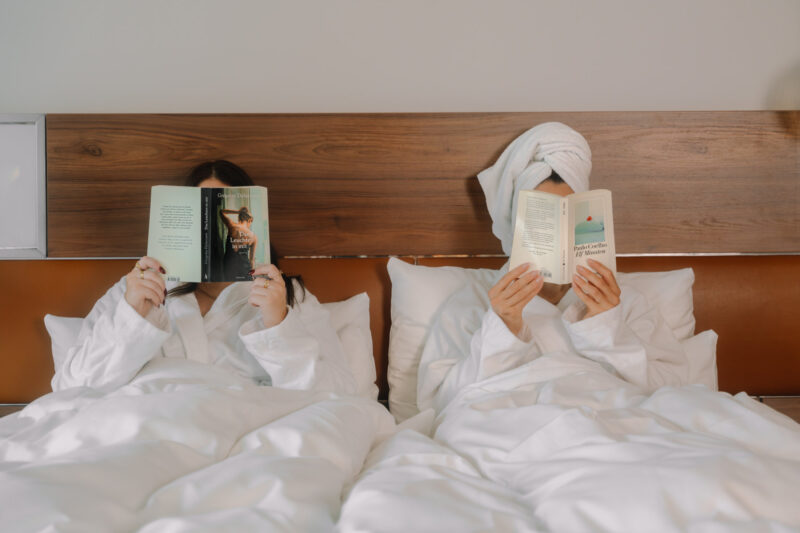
589 222
592 230
209 234
239 231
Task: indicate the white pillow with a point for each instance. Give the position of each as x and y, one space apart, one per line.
701 351
670 292
350 319
450 338
418 293
63 332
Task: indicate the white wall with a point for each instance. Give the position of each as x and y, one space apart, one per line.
400 55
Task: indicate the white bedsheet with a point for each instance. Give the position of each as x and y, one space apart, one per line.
184 446
561 445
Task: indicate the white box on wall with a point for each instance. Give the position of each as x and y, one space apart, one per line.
23 187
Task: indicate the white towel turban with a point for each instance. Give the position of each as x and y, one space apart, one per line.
528 161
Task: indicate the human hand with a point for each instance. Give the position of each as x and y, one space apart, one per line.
269 294
598 290
144 286
512 293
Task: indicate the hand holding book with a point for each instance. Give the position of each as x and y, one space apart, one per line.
512 293
268 293
144 286
597 288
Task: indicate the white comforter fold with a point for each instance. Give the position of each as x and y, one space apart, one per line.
561 445
558 444
185 446
412 483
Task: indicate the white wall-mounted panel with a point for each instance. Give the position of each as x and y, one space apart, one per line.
23 215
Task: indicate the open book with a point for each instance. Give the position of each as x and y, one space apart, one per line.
556 234
208 234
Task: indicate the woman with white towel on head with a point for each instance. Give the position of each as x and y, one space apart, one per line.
528 317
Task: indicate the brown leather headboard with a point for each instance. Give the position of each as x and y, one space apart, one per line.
758 349
380 185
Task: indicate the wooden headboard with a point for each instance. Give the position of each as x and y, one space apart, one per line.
718 191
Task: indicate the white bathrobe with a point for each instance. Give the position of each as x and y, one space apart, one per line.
115 342
631 340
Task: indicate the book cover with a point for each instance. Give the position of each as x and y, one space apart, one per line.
208 234
556 234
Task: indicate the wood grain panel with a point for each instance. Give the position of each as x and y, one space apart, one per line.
387 184
788 405
7 409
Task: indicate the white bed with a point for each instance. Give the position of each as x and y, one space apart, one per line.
559 444
562 444
555 445
184 447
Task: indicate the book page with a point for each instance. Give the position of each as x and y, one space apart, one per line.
592 229
174 237
238 233
537 234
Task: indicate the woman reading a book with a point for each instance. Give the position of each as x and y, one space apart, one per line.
270 330
528 317
240 244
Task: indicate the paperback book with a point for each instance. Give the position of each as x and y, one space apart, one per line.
208 234
558 233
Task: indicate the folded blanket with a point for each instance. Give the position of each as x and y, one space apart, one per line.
525 163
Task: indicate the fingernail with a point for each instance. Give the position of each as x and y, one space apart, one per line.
162 270
165 293
251 272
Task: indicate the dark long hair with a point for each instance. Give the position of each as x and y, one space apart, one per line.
244 214
554 178
233 175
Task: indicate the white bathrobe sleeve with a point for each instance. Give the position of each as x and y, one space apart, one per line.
493 350
114 343
634 339
302 352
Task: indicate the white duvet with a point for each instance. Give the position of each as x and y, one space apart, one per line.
560 444
557 444
183 447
